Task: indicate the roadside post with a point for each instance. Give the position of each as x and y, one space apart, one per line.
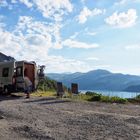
74 88
60 90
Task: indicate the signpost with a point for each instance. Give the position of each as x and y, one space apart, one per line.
60 90
74 88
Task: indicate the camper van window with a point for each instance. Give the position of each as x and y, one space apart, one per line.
5 72
19 71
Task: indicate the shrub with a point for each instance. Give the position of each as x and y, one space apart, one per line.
96 97
92 96
84 97
91 93
105 99
113 99
138 96
135 99
116 99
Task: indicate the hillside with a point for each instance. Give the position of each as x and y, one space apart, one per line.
133 88
99 80
47 84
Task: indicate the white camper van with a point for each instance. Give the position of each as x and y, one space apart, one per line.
12 75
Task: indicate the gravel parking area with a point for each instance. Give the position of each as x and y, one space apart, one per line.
49 118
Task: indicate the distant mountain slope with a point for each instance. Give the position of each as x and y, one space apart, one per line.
133 88
99 80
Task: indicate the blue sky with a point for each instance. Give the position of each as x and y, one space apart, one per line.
73 35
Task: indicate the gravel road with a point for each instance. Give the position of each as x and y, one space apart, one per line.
48 118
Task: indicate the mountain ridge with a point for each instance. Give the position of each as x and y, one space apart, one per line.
100 80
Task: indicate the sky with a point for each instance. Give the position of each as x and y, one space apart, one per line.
73 35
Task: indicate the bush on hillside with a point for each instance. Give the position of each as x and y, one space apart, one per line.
105 99
91 93
47 84
114 99
138 96
95 97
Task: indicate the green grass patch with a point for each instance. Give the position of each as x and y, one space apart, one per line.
44 93
92 96
114 99
88 96
135 99
138 96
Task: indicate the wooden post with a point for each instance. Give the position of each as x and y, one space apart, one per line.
74 88
60 90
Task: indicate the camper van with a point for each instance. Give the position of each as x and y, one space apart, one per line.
12 75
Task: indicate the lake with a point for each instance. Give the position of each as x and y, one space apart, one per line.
114 93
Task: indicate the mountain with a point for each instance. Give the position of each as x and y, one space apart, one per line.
133 88
99 80
4 58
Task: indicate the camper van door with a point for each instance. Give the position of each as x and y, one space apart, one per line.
20 75
6 75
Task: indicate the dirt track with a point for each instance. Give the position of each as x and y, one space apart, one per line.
55 119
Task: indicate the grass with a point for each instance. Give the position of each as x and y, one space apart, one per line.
88 96
135 99
114 99
91 96
40 93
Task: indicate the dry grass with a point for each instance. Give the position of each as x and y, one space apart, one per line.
44 93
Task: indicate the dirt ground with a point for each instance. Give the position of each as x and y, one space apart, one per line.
47 118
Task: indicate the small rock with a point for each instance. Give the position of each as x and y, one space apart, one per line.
1 117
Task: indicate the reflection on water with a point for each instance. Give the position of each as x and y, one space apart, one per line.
114 93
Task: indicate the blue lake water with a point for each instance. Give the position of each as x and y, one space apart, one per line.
114 93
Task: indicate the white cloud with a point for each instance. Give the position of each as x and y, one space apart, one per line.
2 24
92 33
74 35
92 59
60 64
122 2
102 66
53 9
8 44
122 20
3 3
77 44
85 13
31 40
27 3
50 33
13 1
137 1
83 1
35 47
132 47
